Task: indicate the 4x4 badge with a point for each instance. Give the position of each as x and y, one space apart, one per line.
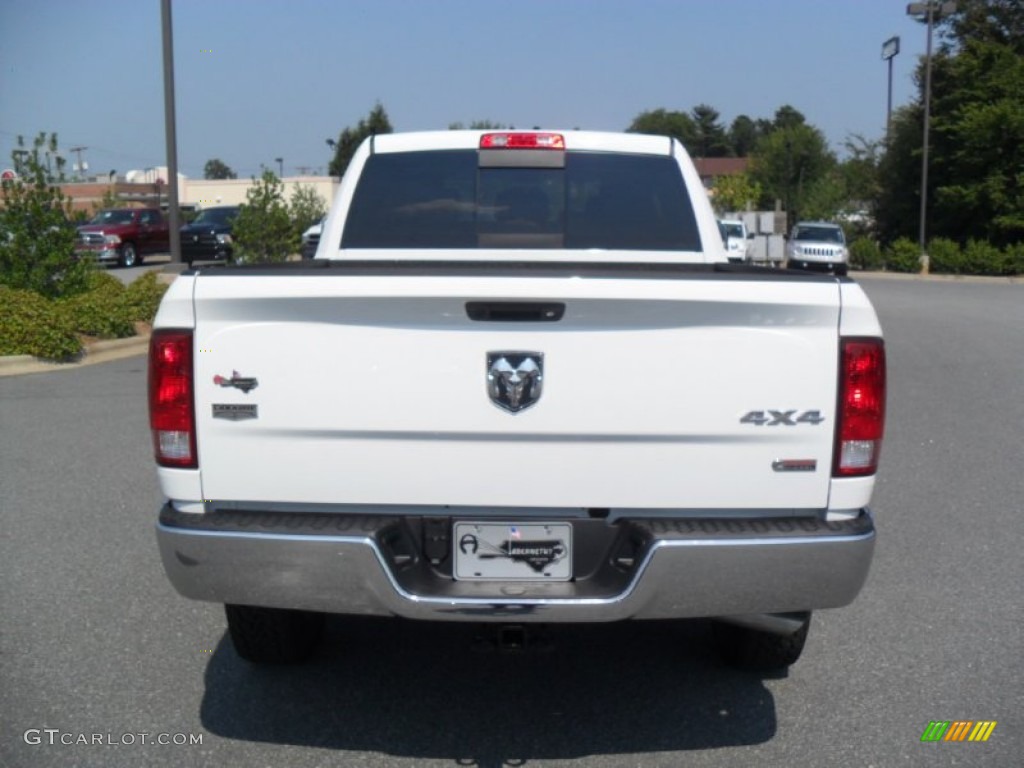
236 381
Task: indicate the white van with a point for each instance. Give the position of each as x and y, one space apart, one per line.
738 242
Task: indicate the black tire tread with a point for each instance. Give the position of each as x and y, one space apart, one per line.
135 251
273 635
754 649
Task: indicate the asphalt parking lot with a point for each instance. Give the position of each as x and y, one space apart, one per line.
93 641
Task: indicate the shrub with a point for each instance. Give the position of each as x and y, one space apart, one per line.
37 248
32 325
263 231
982 258
143 297
100 279
305 208
1013 259
903 255
945 256
102 311
865 254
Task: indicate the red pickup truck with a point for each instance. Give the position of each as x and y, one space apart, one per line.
124 235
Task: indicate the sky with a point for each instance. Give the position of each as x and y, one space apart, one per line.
260 79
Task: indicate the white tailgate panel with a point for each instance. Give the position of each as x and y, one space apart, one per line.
373 391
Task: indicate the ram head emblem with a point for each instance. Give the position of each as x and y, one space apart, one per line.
514 379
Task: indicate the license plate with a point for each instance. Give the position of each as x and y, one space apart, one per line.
513 551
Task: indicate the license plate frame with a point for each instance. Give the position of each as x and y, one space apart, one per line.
512 551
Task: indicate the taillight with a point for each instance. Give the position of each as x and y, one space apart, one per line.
861 411
172 415
522 141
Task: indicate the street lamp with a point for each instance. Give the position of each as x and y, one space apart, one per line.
889 50
280 167
930 11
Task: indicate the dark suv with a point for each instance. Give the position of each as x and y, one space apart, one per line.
208 236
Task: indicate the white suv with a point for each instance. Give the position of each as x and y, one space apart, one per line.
817 245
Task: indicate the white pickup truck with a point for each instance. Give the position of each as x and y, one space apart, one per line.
519 383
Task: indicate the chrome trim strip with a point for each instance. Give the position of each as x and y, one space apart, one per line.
532 437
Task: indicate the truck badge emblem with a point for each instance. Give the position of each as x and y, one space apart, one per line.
515 379
236 381
235 411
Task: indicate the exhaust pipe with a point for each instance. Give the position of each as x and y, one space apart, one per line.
776 623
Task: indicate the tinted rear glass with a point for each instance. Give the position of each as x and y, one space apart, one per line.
216 216
819 234
442 199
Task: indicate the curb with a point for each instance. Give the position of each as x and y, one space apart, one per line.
984 279
96 352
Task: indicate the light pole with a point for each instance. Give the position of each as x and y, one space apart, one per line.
931 10
170 132
889 50
82 166
280 167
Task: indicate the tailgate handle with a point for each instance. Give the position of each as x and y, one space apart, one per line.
515 311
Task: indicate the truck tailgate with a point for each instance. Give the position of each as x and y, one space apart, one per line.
372 389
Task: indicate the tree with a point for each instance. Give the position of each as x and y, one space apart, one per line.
263 231
898 202
976 185
735 192
860 169
37 242
787 116
660 122
305 208
978 125
479 125
216 168
745 132
985 21
825 197
108 200
789 162
27 162
350 139
711 138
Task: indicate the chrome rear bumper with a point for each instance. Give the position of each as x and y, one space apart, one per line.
365 564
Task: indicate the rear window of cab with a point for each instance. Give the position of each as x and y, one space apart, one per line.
447 199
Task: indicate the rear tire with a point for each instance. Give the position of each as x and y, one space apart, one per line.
755 649
273 635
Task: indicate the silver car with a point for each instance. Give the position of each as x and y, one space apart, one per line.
817 245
